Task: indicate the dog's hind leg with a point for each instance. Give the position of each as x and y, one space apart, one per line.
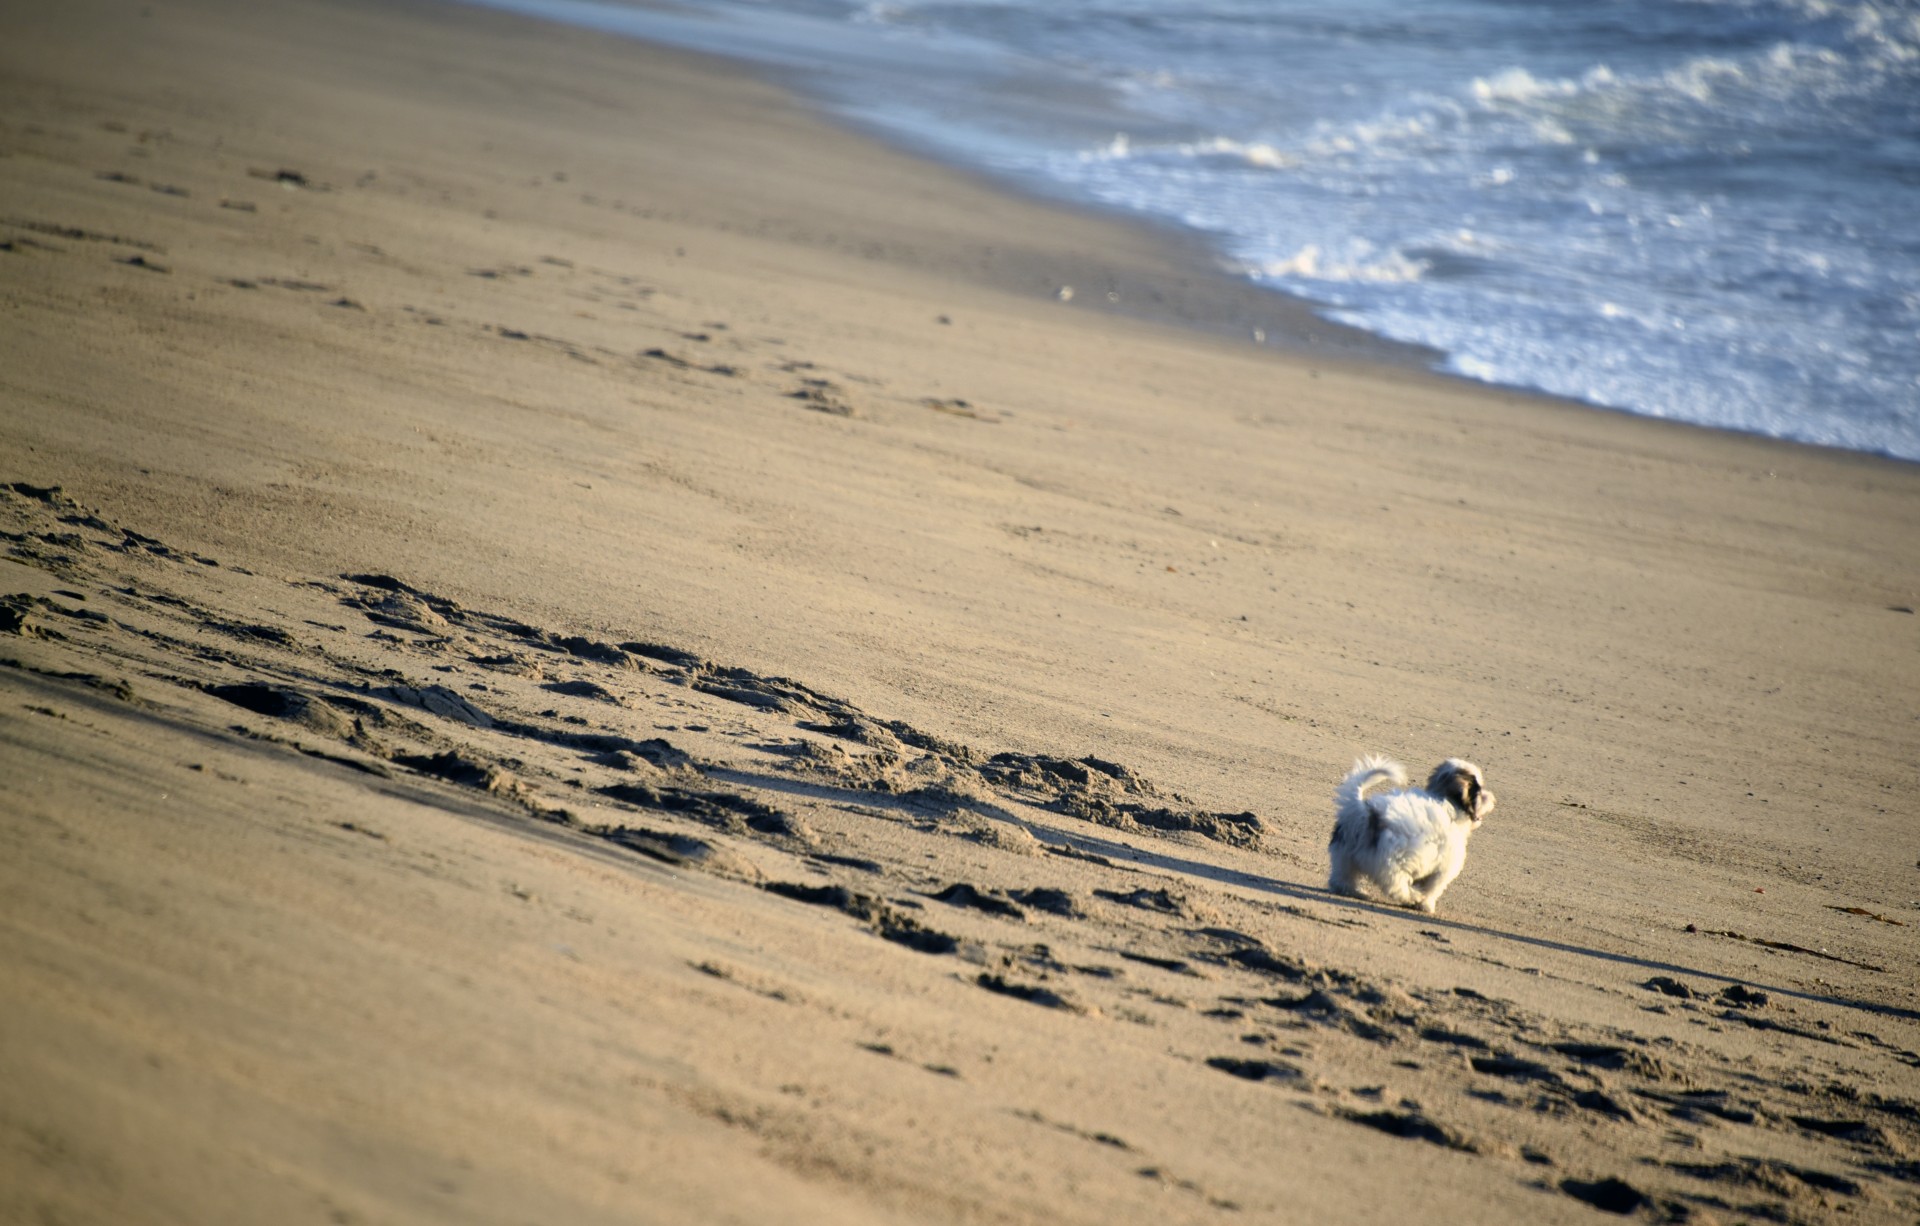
1341 878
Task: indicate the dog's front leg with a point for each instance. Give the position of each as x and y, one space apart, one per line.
1400 889
1430 888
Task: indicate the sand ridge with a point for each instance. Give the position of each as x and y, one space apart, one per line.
1073 886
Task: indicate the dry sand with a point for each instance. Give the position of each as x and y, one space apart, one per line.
605 650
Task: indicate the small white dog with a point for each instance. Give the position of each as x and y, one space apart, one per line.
1410 843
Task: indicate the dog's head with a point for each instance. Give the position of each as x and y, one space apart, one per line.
1461 785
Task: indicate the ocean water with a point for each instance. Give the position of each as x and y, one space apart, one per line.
1706 210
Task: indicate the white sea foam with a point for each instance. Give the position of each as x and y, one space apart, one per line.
1252 153
1518 85
1360 264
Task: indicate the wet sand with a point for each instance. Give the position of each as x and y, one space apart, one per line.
579 644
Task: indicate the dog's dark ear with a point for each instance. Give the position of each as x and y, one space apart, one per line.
1482 801
1459 784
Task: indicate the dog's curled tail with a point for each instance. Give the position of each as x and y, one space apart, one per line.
1368 771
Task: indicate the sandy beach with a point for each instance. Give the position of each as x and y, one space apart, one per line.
580 644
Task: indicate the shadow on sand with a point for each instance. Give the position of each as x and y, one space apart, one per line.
1129 856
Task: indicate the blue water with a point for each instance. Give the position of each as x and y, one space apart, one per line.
1706 210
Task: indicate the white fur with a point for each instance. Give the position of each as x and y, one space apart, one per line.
1410 843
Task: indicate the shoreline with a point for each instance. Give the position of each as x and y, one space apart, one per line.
1235 306
1222 305
580 643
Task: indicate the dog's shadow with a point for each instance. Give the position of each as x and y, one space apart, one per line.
1127 855
1180 866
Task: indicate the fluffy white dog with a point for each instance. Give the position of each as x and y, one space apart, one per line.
1410 843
